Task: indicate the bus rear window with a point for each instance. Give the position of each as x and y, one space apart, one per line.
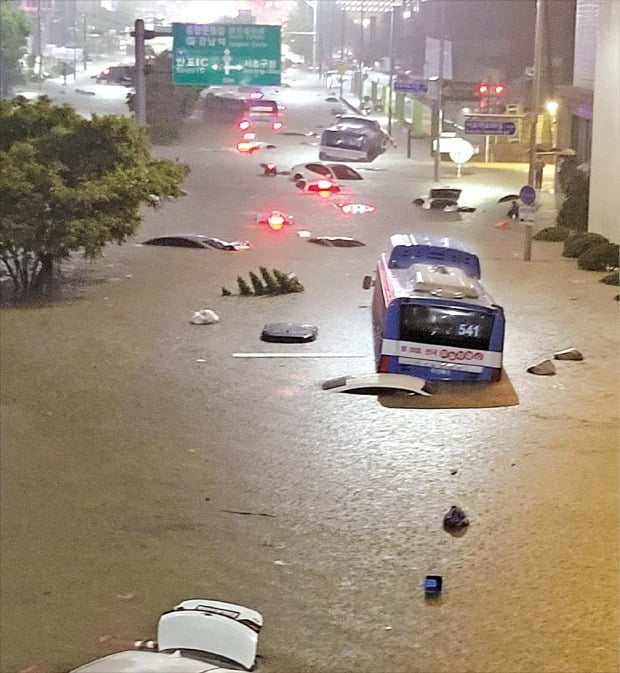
446 326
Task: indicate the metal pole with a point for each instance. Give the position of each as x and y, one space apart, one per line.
140 102
84 54
75 38
537 79
40 45
527 243
342 57
389 129
361 92
437 154
315 7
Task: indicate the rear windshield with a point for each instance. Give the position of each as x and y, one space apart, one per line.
263 107
345 139
446 326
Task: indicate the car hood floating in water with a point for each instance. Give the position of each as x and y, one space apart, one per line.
368 383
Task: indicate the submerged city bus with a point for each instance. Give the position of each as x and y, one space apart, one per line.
432 317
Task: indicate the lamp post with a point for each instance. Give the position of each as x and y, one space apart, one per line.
373 7
437 153
552 108
536 85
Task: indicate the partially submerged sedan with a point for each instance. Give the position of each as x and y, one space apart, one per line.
197 241
196 636
320 169
443 198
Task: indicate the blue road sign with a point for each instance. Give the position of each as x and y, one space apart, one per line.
411 87
489 127
527 195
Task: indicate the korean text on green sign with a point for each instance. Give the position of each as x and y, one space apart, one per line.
226 53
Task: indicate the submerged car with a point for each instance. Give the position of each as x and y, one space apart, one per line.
317 169
196 636
443 198
116 74
198 241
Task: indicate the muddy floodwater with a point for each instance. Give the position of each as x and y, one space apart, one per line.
143 464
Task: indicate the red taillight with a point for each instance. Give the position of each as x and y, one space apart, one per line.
324 185
247 146
276 126
384 364
276 221
244 124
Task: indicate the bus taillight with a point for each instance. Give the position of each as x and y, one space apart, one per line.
384 364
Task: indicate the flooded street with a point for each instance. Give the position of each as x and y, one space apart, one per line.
143 464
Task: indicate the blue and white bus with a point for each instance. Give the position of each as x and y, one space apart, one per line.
432 317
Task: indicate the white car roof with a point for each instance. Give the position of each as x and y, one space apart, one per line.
137 661
207 632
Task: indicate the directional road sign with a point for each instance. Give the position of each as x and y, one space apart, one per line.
411 87
490 127
227 53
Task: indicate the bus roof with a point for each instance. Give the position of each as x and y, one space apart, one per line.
405 249
431 281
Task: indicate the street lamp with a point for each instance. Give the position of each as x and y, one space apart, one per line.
373 7
552 108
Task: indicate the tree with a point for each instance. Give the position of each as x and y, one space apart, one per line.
167 105
299 20
14 29
71 184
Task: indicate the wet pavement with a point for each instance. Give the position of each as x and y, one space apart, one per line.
130 437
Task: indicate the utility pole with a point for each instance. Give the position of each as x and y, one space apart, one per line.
437 153
139 100
40 45
536 85
342 55
315 22
391 78
361 92
84 53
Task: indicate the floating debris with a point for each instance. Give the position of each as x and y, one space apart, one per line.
455 519
287 332
336 241
205 316
568 354
544 368
433 585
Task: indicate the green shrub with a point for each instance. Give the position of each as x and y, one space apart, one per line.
244 289
552 234
270 282
276 283
257 284
573 213
600 257
611 278
578 244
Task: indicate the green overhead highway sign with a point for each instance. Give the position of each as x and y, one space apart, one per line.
226 53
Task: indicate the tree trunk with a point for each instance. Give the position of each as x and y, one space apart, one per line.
43 281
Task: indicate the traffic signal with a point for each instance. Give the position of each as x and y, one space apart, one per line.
490 95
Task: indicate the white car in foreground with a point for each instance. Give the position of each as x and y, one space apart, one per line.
314 170
196 636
